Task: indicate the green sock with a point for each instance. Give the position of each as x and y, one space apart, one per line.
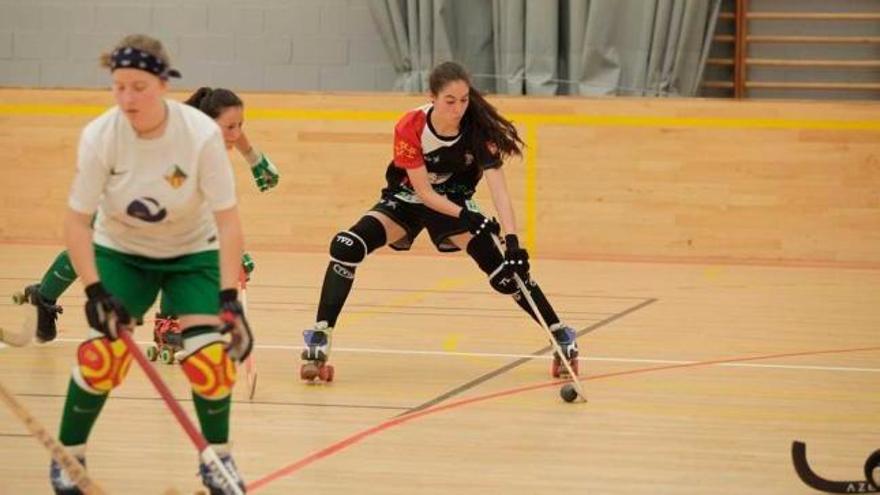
214 417
58 278
81 409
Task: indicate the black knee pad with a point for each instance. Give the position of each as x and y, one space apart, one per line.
489 258
351 246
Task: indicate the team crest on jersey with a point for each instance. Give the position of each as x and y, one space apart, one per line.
175 176
403 149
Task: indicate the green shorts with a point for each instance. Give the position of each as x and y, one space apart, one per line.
190 284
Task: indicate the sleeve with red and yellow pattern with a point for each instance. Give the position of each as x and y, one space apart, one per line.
407 140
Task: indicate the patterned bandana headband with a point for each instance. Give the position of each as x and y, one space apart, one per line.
131 58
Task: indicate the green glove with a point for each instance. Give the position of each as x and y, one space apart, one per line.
265 173
247 264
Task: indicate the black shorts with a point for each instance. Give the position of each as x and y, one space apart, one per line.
414 217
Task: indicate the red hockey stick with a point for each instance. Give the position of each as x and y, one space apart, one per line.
206 453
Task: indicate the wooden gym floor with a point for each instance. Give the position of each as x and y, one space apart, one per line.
699 379
735 310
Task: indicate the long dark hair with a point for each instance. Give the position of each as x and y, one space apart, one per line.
485 126
213 101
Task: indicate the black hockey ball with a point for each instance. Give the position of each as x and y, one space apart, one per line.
568 392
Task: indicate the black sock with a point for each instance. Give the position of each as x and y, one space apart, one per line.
550 316
337 284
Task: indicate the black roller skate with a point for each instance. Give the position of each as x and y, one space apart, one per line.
316 353
215 482
61 482
46 313
566 338
167 340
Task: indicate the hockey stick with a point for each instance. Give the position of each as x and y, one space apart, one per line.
813 480
250 368
558 350
872 465
206 453
68 461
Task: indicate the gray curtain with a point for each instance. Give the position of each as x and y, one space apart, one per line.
620 47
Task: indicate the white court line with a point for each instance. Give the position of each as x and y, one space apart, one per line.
547 356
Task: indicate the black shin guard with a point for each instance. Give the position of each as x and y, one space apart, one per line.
338 280
547 311
347 250
490 260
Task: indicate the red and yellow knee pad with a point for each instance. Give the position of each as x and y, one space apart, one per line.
102 363
210 371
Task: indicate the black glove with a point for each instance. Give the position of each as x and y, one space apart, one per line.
241 341
104 312
515 257
477 223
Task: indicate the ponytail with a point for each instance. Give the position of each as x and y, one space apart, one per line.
489 127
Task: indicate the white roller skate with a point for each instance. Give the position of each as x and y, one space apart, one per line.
61 482
566 338
42 322
316 354
215 482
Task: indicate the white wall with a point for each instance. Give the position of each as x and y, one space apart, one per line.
269 45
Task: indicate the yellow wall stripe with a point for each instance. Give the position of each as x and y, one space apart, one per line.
524 118
700 122
41 109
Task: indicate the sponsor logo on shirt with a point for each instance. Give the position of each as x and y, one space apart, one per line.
435 178
146 209
175 176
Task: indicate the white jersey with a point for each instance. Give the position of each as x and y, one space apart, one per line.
154 197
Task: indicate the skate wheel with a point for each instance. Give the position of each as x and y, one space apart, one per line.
152 352
309 371
325 373
19 298
166 356
178 356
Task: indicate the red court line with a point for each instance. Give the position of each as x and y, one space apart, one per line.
391 423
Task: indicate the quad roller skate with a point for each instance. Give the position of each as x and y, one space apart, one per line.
215 482
47 312
316 353
60 480
167 340
566 338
